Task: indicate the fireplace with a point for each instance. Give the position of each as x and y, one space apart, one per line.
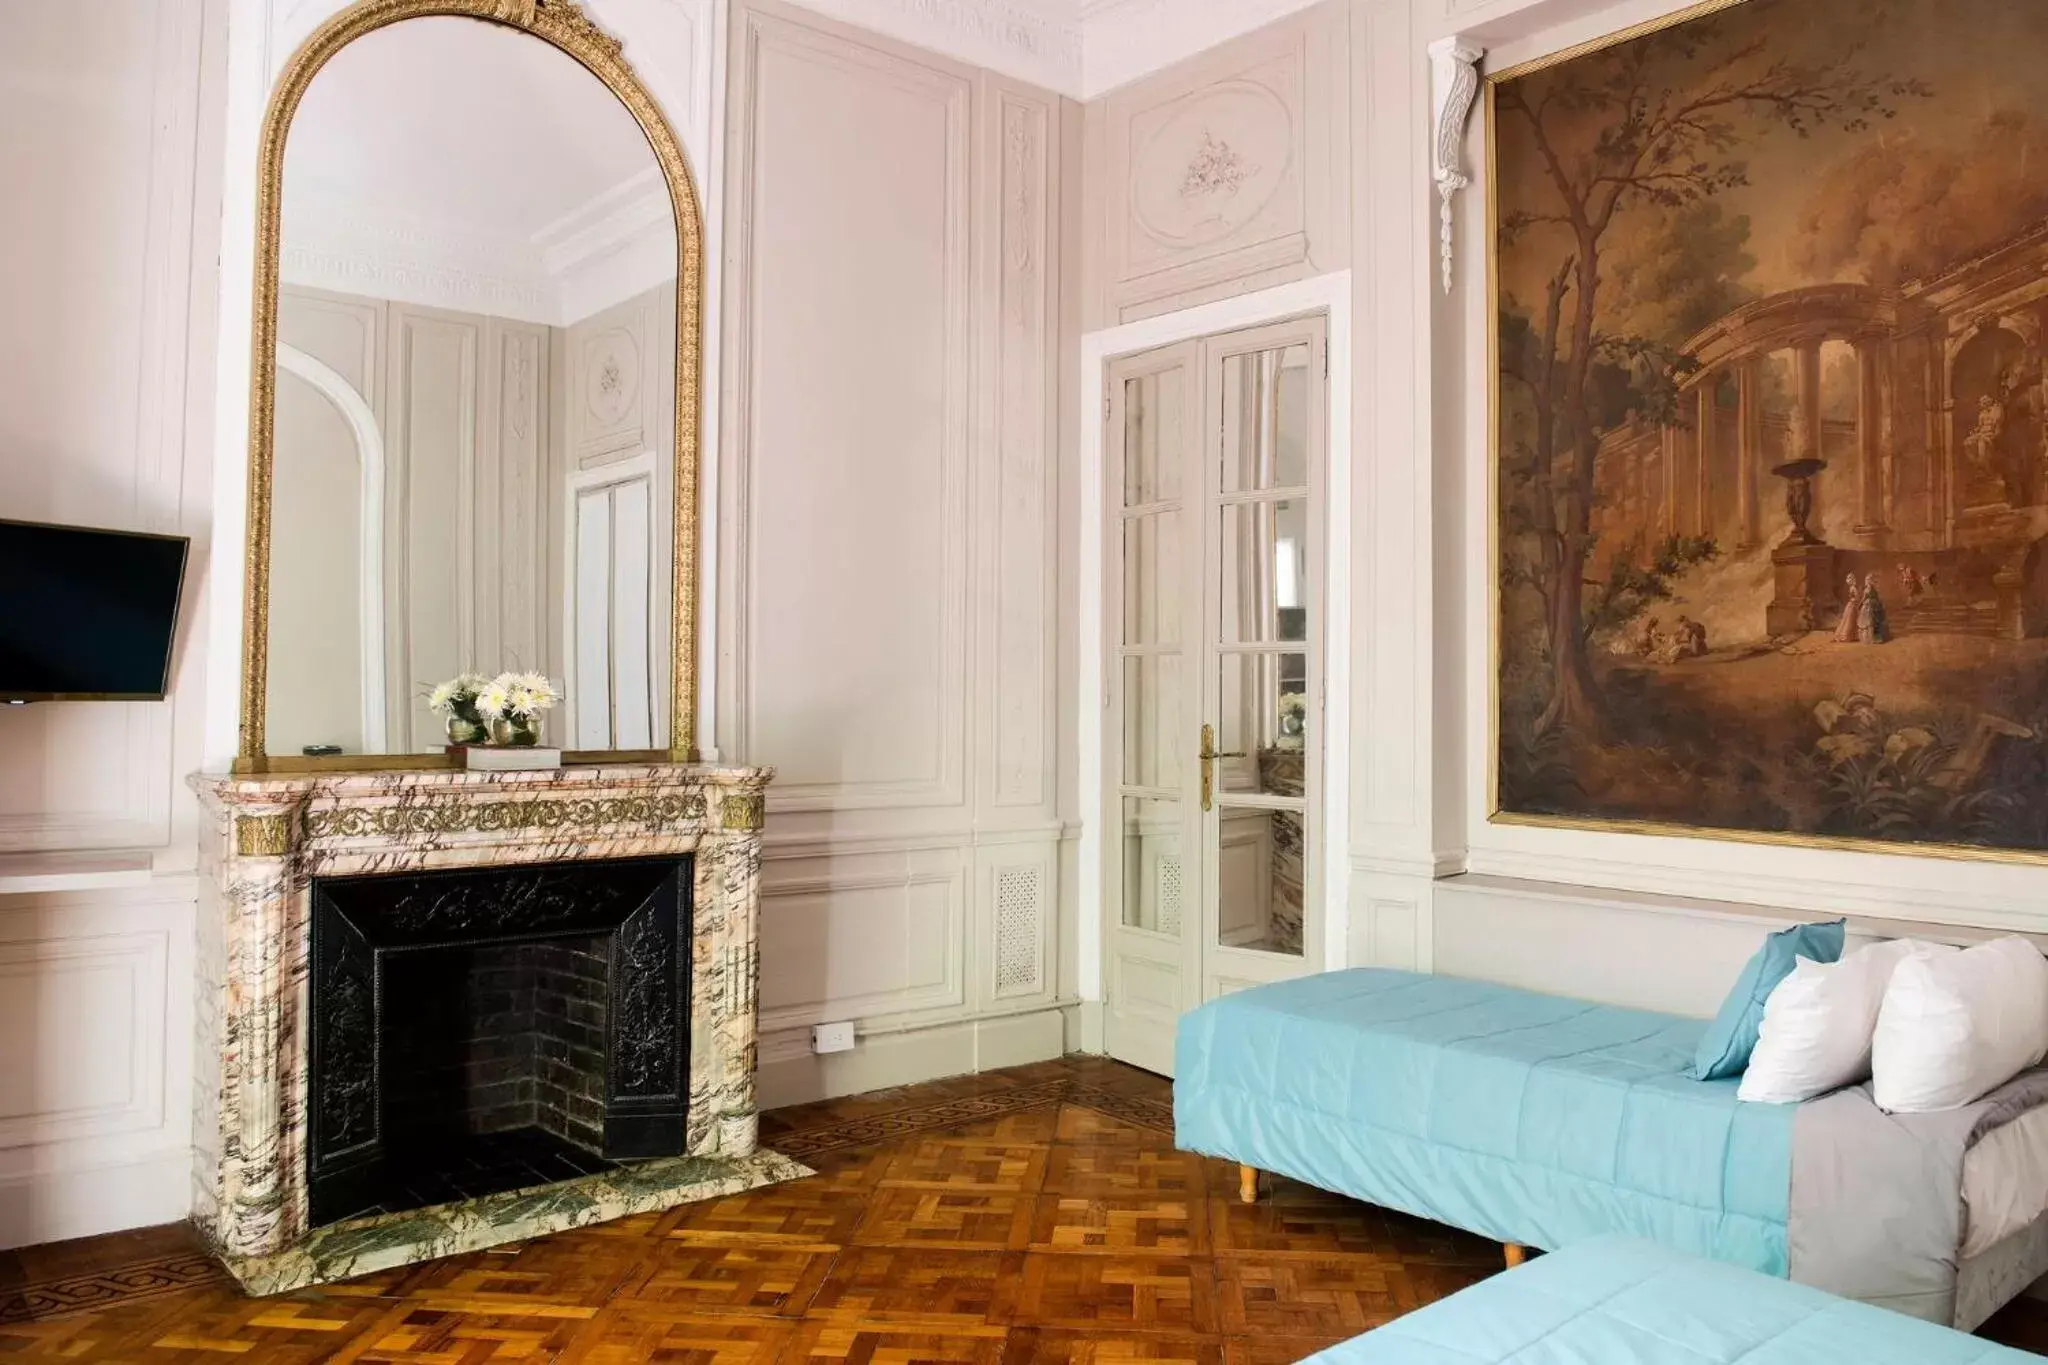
480 1030
443 1010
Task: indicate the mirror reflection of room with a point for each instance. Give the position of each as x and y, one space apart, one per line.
1262 647
475 396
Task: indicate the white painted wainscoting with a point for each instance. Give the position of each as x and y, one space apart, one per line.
888 530
106 252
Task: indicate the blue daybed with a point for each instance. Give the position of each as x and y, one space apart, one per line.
1619 1301
1541 1121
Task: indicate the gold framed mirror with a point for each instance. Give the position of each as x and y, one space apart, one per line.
487 462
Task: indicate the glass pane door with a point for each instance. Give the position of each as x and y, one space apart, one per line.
1262 582
1154 628
1213 619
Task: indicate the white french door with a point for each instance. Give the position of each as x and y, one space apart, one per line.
1217 456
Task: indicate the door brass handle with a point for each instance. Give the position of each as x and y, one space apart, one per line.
1209 757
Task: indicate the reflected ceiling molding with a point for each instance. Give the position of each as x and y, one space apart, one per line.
385 254
616 247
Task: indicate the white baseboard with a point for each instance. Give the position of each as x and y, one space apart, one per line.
54 1206
928 1054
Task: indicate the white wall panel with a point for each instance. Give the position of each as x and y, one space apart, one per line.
108 124
1225 173
94 1086
889 570
854 474
862 937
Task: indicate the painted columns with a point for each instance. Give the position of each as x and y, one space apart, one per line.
1870 434
1706 445
1749 444
1806 430
1668 453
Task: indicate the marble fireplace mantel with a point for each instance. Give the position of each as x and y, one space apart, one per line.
265 839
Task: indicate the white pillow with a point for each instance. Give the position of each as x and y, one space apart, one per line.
1956 1026
1818 1023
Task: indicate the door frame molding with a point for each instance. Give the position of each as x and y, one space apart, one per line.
1329 295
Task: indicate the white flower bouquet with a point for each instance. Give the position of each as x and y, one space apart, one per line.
514 704
505 710
456 699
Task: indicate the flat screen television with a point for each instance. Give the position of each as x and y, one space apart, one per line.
87 614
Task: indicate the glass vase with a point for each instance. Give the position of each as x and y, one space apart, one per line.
516 732
463 730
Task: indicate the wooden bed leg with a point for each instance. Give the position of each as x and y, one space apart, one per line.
1247 1184
1515 1253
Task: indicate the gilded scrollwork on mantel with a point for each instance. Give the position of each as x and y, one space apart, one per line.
567 815
263 836
748 811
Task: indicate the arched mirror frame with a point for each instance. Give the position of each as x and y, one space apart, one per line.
563 24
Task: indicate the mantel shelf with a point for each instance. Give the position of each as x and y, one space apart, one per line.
28 873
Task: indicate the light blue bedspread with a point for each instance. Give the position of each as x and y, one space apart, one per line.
1619 1301
1549 1122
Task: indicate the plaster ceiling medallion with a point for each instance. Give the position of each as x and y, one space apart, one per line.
1213 166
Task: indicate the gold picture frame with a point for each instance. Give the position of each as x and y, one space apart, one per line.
1495 815
562 24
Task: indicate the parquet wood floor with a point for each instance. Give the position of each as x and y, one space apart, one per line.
1037 1216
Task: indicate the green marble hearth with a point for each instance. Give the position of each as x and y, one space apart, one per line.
360 1246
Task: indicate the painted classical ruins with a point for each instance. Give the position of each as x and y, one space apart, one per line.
1938 473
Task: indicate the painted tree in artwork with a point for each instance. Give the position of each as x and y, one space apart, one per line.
1654 124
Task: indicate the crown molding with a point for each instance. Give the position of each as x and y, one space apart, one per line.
1125 40
1038 41
1077 48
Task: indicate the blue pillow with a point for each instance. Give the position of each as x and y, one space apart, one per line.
1725 1046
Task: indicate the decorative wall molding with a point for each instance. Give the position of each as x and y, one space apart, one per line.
919 579
94 1008
1225 174
1454 67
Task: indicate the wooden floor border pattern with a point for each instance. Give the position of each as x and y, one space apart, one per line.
121 1284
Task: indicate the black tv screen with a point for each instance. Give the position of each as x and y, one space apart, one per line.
86 613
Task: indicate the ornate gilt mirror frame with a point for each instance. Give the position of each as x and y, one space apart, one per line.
563 24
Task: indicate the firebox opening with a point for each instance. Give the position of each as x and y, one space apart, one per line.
492 1064
477 1031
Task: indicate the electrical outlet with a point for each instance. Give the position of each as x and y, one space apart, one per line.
832 1037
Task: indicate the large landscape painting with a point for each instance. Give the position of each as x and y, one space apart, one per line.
1772 425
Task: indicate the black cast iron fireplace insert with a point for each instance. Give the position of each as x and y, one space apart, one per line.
480 1030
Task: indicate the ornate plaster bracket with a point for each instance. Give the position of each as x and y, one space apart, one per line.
1454 65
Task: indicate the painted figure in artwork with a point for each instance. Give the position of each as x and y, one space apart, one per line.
1988 434
1852 608
1872 628
1760 244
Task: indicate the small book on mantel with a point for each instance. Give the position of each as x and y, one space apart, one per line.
510 759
